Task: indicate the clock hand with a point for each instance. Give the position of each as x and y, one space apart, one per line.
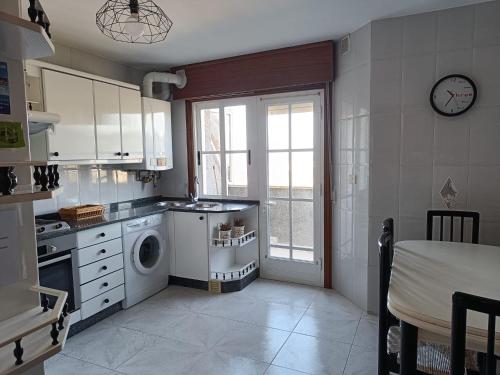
449 92
448 102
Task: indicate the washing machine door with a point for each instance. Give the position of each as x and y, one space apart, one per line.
148 251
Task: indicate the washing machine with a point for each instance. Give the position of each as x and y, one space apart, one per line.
146 258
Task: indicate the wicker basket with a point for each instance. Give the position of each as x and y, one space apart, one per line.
76 213
238 231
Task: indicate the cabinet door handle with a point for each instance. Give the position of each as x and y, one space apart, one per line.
102 234
55 153
118 153
126 154
104 268
201 217
103 251
105 285
106 300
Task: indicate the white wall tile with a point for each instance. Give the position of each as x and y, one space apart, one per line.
384 190
124 186
455 29
346 188
485 136
488 233
387 38
46 206
70 195
385 137
484 185
107 188
360 45
360 287
487 30
420 34
360 238
373 289
417 137
419 74
415 190
361 189
88 179
362 140
451 144
486 63
362 90
346 141
454 62
386 86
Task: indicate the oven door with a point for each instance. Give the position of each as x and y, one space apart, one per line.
57 271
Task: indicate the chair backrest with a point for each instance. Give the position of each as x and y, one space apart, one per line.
386 250
460 216
461 303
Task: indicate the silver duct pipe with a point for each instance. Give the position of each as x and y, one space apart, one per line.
179 79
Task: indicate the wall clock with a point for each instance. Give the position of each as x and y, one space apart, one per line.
453 95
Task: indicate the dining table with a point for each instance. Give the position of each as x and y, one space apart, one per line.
424 277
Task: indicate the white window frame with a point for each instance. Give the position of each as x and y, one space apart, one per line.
252 176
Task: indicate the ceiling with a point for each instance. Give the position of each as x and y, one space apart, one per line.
210 29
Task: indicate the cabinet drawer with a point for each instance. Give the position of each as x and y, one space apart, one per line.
97 235
101 285
101 268
100 251
99 303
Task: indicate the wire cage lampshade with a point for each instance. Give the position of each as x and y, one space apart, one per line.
133 21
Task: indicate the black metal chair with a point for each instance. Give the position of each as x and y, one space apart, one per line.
430 356
461 215
461 303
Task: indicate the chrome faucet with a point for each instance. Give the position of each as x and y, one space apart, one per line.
194 197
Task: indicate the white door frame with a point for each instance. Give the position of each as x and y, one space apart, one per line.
282 269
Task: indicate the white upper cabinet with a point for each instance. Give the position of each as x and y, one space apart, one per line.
73 138
107 120
131 123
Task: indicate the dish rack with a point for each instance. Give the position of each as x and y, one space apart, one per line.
85 212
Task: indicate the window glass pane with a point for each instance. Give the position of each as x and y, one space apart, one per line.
211 168
279 220
279 252
236 127
236 174
210 129
277 127
303 224
303 255
302 174
302 125
278 174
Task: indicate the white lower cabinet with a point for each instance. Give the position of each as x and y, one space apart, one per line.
100 268
93 306
191 245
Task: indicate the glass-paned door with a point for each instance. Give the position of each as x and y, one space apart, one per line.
291 181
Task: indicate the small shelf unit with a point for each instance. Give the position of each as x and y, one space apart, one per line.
235 272
236 241
28 195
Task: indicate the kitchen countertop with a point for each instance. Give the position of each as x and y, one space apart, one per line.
118 212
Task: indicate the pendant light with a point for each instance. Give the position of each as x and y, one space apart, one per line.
133 21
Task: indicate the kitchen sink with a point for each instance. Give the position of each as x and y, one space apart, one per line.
204 205
172 204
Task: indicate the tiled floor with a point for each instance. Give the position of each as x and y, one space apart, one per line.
269 328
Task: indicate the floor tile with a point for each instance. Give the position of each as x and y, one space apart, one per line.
367 334
164 356
217 363
181 297
258 343
362 361
326 325
313 355
105 345
255 311
281 292
333 302
63 365
276 370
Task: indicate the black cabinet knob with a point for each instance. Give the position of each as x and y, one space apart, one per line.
106 300
103 251
126 154
102 234
55 153
104 268
105 284
118 154
201 217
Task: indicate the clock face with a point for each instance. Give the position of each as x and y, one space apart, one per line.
453 95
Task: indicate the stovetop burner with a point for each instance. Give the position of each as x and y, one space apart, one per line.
49 226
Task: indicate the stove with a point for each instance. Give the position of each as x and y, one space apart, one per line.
50 226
